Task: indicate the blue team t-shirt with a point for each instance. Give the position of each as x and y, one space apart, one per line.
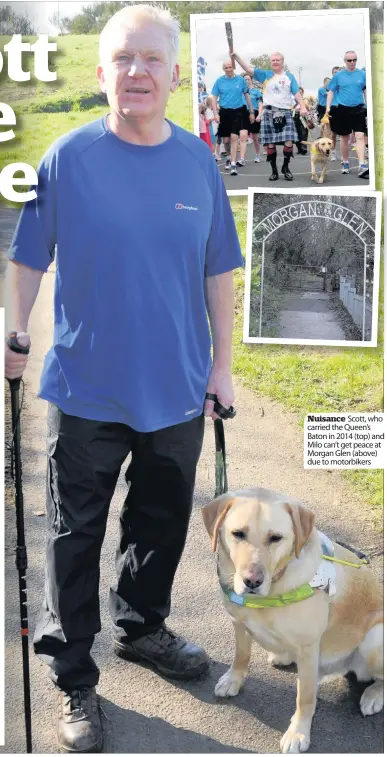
348 87
256 97
322 95
230 91
135 230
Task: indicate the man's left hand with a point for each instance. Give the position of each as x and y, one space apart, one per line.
252 118
219 383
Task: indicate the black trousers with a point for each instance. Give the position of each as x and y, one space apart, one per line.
84 462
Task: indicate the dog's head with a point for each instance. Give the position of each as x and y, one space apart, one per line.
259 534
325 145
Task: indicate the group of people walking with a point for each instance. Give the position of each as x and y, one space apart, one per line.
269 105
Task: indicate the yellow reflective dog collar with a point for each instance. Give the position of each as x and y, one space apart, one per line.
280 600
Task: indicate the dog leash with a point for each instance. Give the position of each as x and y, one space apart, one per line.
221 482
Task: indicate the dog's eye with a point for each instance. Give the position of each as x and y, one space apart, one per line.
274 537
239 534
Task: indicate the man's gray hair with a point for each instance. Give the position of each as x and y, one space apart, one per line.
350 51
130 15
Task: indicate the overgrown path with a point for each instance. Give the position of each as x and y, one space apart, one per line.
142 712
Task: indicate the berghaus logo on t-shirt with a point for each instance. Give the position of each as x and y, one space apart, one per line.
180 206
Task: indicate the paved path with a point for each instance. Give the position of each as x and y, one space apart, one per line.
307 315
143 712
257 174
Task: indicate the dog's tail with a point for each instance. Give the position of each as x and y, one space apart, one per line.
306 143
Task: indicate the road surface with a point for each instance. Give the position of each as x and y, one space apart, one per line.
307 315
257 174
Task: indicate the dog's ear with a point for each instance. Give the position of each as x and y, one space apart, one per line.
303 523
214 514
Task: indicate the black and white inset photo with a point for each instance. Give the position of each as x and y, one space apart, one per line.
312 268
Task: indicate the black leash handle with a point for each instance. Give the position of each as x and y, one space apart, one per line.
221 482
223 412
21 551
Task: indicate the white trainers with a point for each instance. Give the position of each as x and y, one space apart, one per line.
233 171
345 168
257 159
249 141
241 162
227 164
333 155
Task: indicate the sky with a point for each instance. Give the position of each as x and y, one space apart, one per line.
312 43
41 11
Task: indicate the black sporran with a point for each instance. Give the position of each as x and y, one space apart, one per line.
279 121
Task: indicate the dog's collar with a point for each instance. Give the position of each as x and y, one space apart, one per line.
323 580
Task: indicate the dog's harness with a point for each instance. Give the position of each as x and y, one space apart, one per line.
323 580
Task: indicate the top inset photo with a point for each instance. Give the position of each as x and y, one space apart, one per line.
284 99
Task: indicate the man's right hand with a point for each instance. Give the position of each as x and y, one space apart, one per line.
15 362
217 118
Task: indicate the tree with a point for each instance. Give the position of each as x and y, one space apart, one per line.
14 23
263 61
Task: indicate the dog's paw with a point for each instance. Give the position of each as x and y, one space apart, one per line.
321 181
295 740
371 701
280 660
229 685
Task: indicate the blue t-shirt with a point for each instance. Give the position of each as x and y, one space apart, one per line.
136 229
230 91
256 97
322 95
349 87
277 88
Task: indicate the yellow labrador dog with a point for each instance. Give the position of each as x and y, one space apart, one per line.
301 607
319 153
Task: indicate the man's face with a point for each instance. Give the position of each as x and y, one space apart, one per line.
228 69
335 70
277 62
248 81
136 74
350 61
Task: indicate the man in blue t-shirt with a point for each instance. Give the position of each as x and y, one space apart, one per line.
136 213
230 93
349 87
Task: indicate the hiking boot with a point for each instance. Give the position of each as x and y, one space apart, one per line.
274 176
79 721
169 653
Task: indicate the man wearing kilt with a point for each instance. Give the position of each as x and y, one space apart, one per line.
277 126
233 120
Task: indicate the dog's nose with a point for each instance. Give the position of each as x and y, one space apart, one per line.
255 580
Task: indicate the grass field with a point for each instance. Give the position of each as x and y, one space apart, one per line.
303 379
